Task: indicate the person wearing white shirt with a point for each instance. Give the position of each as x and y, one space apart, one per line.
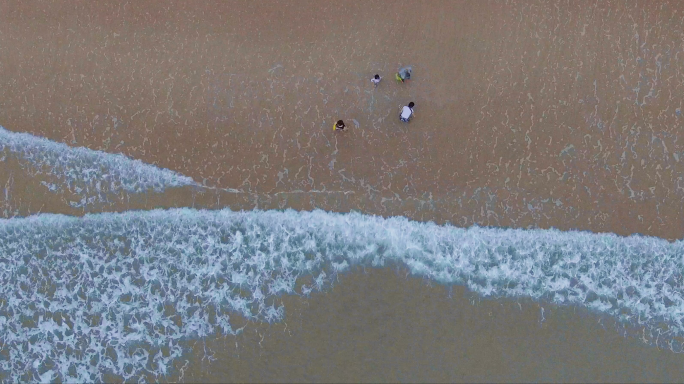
376 80
407 112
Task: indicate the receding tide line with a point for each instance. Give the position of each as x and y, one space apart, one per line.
87 175
117 293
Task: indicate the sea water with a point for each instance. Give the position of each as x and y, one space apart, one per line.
119 292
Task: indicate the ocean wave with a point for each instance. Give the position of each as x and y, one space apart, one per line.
117 293
84 176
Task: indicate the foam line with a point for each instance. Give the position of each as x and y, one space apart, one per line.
85 176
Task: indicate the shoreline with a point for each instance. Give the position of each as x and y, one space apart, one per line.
528 115
513 139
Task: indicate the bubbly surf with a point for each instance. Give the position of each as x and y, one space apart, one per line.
118 293
84 176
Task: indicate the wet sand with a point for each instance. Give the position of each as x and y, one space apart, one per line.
379 325
529 114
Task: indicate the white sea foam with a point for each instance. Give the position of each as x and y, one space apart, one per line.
118 292
85 176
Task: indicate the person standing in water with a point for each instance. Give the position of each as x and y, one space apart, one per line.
376 80
404 74
407 112
339 126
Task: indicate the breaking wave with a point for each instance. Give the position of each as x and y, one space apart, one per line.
118 293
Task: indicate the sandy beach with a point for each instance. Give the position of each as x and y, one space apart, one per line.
548 114
529 112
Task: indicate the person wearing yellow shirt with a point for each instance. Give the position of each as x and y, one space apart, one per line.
339 126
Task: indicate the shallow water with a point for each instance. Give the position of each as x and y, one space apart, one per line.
528 115
123 290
